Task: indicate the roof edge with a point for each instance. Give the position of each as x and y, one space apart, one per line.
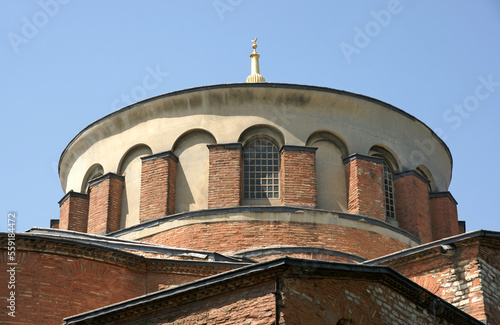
256 85
437 243
279 265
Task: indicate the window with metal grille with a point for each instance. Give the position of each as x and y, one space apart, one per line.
261 170
389 192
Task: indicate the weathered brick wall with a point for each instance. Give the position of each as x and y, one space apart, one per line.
56 280
490 280
459 285
365 192
166 275
309 256
50 287
54 224
468 278
230 237
74 212
444 216
461 227
158 177
253 305
327 301
224 175
489 261
411 196
105 204
298 176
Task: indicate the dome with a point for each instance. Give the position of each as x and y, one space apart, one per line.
274 167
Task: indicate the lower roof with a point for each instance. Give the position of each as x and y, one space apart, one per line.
268 270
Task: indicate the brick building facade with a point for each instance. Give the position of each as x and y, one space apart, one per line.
256 203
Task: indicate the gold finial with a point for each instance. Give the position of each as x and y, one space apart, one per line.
255 71
254 45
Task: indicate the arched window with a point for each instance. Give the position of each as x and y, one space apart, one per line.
261 170
390 211
94 171
390 166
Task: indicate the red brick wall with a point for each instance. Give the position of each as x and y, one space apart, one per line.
461 227
469 278
327 301
253 305
74 212
224 176
490 280
309 256
365 191
256 234
298 176
158 185
56 280
50 287
458 284
411 195
105 204
444 217
54 224
165 275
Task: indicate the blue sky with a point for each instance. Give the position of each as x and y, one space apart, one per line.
67 63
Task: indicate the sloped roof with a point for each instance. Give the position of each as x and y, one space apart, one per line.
255 273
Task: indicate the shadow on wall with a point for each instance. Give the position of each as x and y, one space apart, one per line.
191 189
330 170
130 167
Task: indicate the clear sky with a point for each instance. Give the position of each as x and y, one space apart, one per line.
67 63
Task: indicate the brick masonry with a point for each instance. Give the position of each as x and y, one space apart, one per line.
52 286
461 227
74 212
293 297
231 237
467 277
254 305
298 176
444 216
105 204
353 301
411 194
309 256
365 192
224 176
56 280
54 224
158 177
